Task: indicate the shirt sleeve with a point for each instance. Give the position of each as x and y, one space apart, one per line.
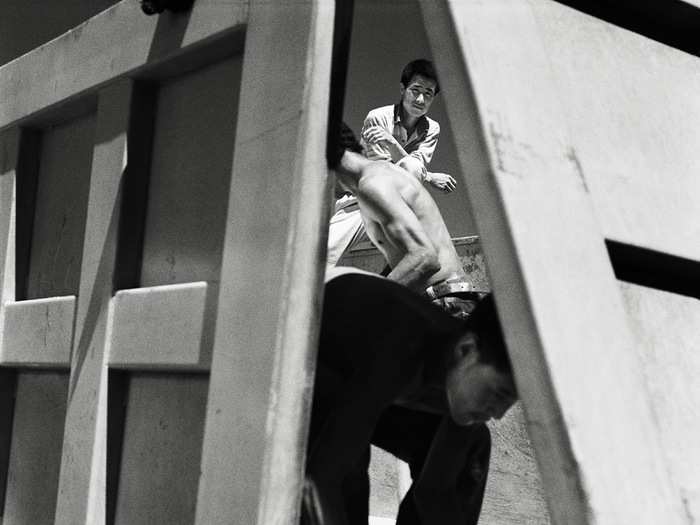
425 150
374 151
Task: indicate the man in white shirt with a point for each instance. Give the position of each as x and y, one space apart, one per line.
401 133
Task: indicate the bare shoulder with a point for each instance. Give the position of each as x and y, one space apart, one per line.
383 182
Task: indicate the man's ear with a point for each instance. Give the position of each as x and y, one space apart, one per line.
402 89
468 346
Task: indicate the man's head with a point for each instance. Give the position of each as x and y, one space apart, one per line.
419 85
479 379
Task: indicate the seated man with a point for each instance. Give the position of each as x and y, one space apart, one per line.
400 133
405 224
397 372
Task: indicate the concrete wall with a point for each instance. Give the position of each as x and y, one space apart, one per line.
190 175
61 204
35 458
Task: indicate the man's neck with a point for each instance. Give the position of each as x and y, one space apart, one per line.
407 121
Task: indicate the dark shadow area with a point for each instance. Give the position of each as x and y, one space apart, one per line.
27 181
134 191
155 430
166 58
671 22
117 388
342 31
8 386
169 34
653 269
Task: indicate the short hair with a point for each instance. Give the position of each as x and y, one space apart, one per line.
344 140
421 67
485 324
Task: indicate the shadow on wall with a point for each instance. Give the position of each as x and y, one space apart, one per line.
386 36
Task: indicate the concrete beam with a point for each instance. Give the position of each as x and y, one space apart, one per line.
117 42
272 271
81 493
163 327
38 333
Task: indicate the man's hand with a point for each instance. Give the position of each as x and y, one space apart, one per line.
378 135
441 181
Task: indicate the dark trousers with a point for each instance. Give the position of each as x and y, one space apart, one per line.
443 458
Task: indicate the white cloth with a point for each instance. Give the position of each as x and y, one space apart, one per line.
346 229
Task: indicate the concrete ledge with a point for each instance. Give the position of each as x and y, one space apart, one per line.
163 327
38 332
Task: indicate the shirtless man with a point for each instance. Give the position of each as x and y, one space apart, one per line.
405 224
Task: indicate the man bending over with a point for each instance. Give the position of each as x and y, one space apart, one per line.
394 371
405 224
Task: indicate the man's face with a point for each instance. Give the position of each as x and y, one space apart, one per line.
476 392
417 97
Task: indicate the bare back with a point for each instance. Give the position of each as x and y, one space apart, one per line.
404 222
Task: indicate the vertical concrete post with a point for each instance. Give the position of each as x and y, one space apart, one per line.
271 277
9 153
81 494
9 150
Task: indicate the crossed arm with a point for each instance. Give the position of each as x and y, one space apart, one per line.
383 146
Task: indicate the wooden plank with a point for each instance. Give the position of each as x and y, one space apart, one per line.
81 497
576 369
272 270
118 41
37 432
38 333
163 327
665 328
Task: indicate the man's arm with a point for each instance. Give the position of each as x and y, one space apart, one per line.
376 119
377 136
417 162
347 430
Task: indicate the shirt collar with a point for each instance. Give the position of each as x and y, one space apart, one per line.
421 125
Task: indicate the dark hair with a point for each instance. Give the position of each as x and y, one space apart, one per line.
345 140
485 324
421 67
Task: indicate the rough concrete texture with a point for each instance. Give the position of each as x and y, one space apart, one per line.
514 490
384 476
35 453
